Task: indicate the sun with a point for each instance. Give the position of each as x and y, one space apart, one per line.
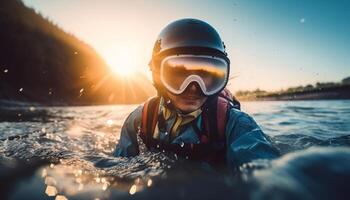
122 63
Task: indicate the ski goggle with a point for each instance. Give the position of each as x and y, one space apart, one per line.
177 72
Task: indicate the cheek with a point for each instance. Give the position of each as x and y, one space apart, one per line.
203 100
174 99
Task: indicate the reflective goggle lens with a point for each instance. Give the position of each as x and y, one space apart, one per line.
177 72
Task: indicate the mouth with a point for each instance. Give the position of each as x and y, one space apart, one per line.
192 95
191 98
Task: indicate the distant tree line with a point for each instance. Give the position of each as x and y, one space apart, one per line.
249 95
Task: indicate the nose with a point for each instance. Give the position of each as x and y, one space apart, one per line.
193 88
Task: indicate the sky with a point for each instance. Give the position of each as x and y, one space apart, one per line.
272 44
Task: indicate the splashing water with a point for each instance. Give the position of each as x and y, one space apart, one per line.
69 149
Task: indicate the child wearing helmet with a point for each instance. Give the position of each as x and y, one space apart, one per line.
193 115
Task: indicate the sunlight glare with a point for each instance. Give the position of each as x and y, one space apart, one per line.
123 62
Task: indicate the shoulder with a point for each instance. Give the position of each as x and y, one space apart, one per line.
137 112
239 119
135 116
240 116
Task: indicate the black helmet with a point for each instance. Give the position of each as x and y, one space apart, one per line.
186 36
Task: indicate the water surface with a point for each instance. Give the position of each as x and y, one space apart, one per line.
65 153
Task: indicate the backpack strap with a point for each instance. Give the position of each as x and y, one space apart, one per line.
210 124
225 101
226 94
222 115
216 113
149 119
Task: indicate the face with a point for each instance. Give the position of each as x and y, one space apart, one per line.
190 100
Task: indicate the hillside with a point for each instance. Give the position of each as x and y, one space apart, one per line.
39 62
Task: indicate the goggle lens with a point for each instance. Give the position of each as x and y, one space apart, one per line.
177 72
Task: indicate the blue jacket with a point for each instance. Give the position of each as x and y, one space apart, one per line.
245 140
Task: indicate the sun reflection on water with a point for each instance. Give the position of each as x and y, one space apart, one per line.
60 197
64 180
51 191
80 155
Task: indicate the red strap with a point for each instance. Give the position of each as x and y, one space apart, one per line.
205 119
226 93
155 117
144 121
222 107
150 109
204 139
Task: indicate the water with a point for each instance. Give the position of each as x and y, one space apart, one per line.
65 153
296 125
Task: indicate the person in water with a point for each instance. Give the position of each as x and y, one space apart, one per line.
193 115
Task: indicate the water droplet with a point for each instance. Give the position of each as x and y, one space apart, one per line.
138 129
133 189
81 92
110 122
149 182
61 197
182 144
103 180
105 186
44 173
20 89
98 180
51 191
